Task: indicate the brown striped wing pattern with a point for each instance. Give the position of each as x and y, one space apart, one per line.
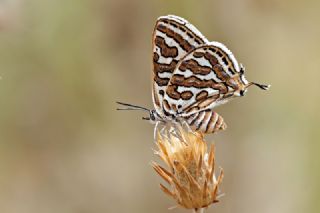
201 80
191 75
173 38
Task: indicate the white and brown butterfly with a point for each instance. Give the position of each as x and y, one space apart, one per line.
191 76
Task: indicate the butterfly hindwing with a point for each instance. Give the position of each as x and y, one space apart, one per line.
199 81
173 38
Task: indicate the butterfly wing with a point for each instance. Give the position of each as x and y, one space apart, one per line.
199 81
173 38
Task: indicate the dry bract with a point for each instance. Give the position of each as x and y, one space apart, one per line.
191 174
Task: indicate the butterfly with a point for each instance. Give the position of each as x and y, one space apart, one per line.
191 76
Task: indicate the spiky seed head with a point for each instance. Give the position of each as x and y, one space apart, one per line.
191 167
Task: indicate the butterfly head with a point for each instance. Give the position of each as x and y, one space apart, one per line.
243 84
153 115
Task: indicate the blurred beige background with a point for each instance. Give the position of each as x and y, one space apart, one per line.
64 63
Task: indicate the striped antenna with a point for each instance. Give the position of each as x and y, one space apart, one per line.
135 107
261 86
131 107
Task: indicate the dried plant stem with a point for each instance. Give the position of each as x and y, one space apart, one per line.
199 210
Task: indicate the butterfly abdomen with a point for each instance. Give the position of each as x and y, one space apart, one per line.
206 121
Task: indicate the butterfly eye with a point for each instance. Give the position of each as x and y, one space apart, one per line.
241 71
242 92
152 117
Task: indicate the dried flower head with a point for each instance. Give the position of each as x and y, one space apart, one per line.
191 173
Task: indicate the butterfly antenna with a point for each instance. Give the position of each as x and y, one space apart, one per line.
261 86
131 107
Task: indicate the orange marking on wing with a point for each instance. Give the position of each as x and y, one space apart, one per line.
201 95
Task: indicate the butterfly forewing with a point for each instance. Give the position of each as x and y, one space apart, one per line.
200 80
173 38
